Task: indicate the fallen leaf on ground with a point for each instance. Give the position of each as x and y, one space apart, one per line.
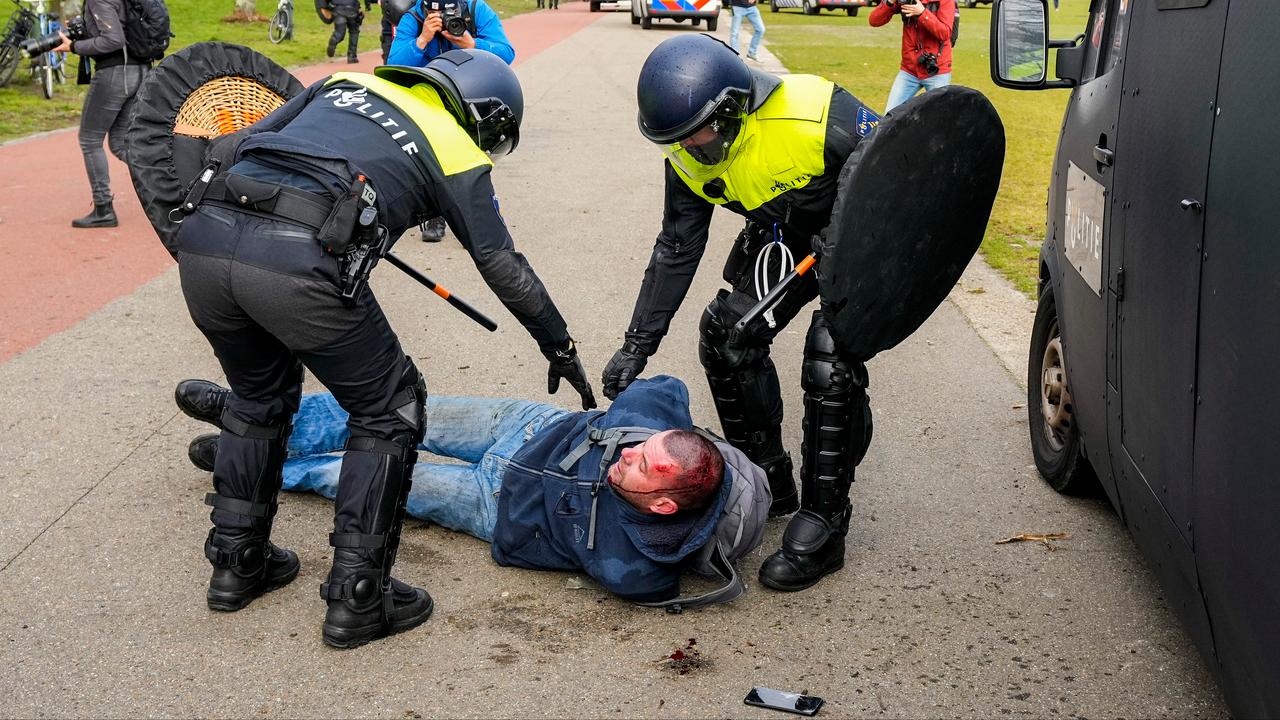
1045 539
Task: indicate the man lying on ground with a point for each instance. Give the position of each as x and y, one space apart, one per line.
540 483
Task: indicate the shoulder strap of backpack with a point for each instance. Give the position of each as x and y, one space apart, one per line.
732 588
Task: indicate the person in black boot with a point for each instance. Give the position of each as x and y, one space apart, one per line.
433 230
294 225
347 19
113 76
725 129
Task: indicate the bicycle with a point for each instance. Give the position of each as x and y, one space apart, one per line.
281 26
47 67
17 29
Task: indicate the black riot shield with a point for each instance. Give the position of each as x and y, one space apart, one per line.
911 209
202 92
324 11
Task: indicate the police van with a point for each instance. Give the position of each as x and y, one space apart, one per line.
644 12
1153 361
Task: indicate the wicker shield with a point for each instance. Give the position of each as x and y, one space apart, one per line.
911 209
197 94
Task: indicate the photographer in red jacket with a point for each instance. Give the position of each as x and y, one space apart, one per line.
926 45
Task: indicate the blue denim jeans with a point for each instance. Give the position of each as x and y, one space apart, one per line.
483 433
752 14
906 85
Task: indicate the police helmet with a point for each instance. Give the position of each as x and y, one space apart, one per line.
393 10
694 94
480 90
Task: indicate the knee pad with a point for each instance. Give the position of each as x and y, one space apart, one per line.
720 349
826 372
409 404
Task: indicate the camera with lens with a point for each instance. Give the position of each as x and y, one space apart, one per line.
73 30
929 61
455 15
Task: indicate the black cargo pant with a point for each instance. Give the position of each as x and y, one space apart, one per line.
265 295
346 19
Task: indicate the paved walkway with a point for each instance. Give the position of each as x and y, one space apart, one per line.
102 579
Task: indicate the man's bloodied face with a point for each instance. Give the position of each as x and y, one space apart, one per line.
644 473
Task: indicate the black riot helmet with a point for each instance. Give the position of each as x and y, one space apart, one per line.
393 10
480 90
694 95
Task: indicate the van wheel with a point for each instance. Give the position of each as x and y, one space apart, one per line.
1055 438
646 22
712 23
971 3
595 7
635 20
851 12
773 5
809 9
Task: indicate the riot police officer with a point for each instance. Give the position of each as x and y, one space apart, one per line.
273 262
769 149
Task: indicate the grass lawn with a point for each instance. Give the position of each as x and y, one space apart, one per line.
864 60
24 110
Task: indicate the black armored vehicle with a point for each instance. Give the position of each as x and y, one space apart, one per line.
1153 361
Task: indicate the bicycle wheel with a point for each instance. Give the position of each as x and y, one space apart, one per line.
279 27
46 76
9 59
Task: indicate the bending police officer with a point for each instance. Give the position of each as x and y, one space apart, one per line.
769 149
273 263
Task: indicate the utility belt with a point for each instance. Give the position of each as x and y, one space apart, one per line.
346 228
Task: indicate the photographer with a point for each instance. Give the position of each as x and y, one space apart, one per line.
115 79
423 33
926 45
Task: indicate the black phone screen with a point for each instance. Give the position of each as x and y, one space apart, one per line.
784 701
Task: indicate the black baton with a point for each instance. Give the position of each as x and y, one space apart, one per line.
775 293
462 305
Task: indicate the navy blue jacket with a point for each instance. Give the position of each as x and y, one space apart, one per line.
545 515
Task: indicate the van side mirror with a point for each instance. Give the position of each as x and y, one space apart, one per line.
1020 44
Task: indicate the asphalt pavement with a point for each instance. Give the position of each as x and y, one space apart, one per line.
102 575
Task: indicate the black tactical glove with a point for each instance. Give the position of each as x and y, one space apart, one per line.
566 364
623 367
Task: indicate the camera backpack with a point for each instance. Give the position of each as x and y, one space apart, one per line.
146 29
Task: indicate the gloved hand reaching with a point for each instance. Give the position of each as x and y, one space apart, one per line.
566 364
623 367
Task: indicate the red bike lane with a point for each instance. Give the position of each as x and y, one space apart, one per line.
56 275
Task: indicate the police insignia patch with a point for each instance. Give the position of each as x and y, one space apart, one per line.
866 122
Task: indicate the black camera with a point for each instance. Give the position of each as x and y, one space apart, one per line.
456 15
929 61
34 46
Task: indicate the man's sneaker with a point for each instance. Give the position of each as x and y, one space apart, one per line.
433 230
753 57
203 451
202 400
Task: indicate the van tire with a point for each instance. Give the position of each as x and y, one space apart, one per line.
1055 438
635 20
712 23
773 5
646 22
595 7
851 12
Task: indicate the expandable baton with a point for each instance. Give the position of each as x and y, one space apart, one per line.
775 293
462 305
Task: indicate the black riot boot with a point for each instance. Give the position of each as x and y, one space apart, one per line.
748 399
103 215
246 476
365 602
837 431
202 400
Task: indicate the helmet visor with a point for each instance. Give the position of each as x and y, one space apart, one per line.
497 132
709 151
